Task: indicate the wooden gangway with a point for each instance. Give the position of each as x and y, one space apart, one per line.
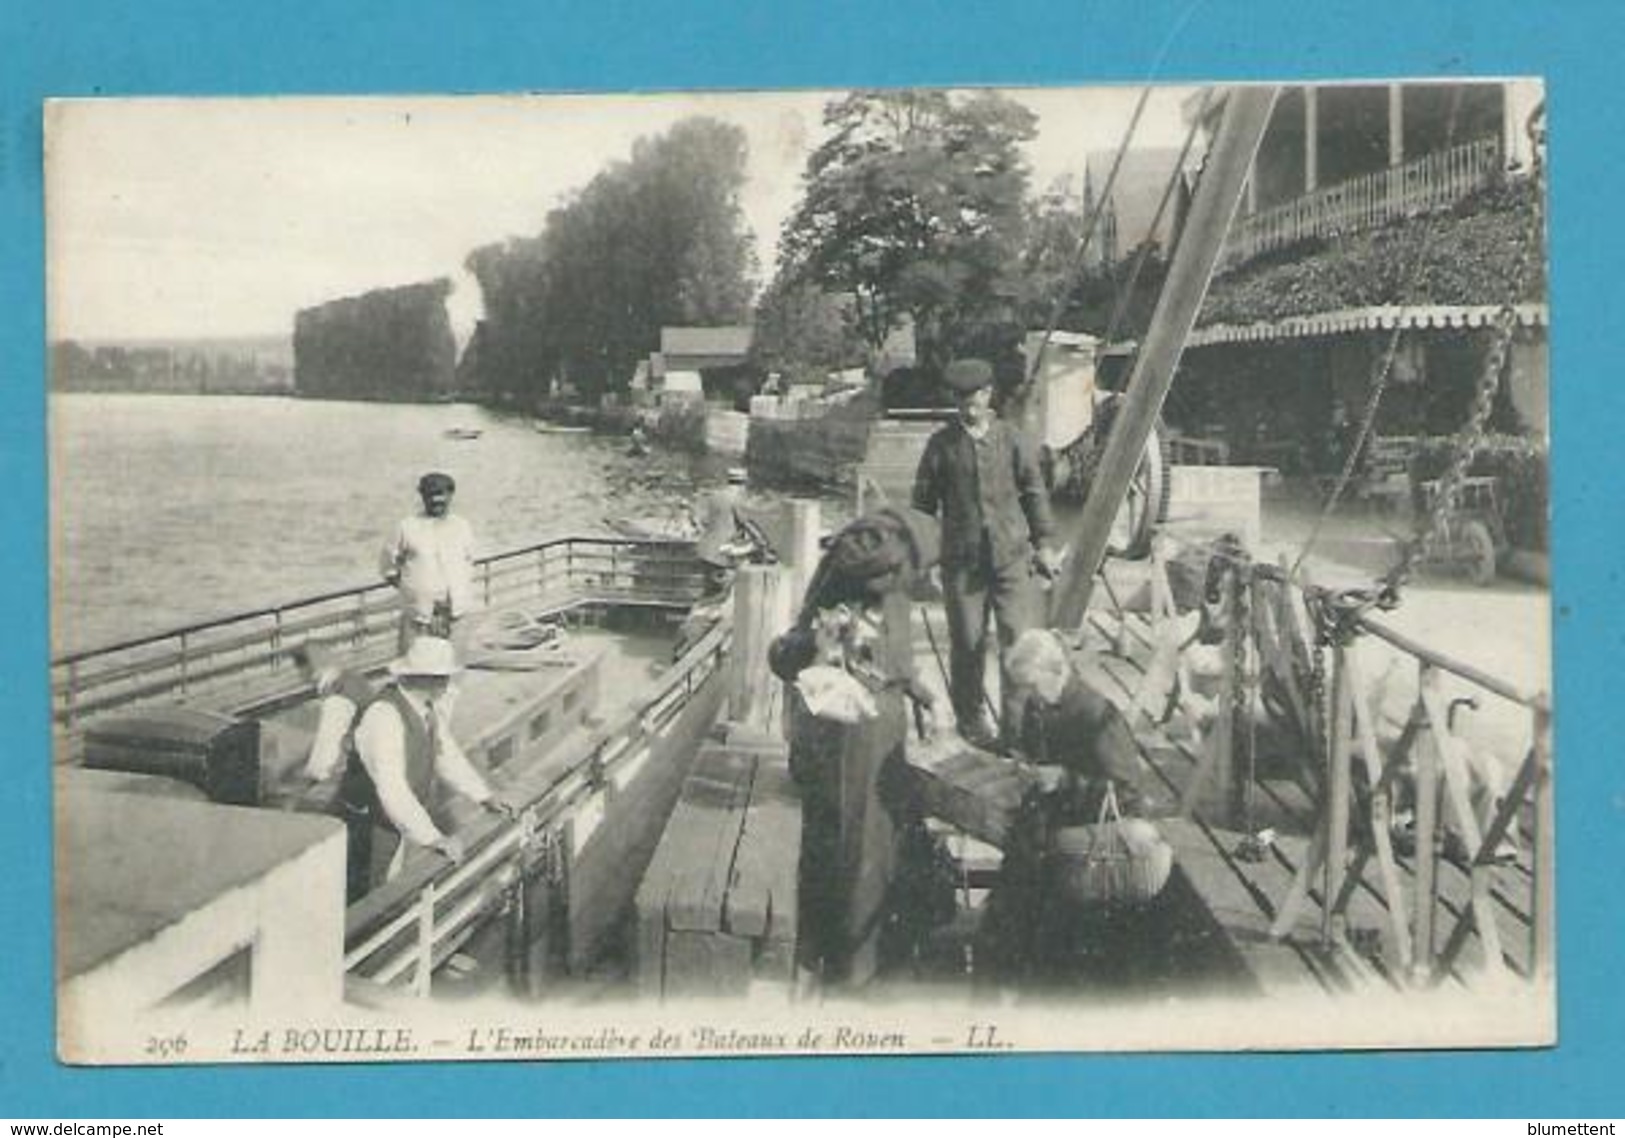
1333 897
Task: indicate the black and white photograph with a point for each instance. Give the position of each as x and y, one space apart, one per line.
891 571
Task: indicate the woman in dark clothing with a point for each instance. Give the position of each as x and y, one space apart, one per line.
856 801
1081 744
1067 724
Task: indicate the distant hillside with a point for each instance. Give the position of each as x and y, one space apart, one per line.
239 365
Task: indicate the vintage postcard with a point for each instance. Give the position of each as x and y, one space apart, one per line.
819 572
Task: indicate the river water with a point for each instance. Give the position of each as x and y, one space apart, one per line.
172 509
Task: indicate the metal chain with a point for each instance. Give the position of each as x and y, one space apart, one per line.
1317 704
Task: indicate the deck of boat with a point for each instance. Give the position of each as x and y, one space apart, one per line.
1242 896
523 715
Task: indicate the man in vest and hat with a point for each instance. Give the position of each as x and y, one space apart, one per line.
981 477
341 693
403 750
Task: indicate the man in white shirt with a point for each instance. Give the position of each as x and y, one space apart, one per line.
430 559
404 748
340 693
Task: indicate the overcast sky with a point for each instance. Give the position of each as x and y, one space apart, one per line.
193 217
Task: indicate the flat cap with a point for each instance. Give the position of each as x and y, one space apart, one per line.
967 375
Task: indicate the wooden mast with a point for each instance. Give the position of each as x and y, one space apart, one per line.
1246 114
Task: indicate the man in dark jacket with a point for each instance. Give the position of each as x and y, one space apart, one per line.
980 476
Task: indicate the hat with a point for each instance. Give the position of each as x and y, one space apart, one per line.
436 479
887 541
921 530
738 475
428 656
967 375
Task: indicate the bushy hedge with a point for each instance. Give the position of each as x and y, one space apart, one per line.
1520 467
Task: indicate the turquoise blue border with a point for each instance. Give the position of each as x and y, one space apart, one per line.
86 47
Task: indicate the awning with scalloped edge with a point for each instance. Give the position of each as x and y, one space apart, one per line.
1381 318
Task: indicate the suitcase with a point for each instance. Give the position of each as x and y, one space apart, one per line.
218 754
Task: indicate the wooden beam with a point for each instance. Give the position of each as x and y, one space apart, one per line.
1246 114
761 612
1545 875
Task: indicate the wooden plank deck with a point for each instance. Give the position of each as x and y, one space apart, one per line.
716 910
1243 891
976 794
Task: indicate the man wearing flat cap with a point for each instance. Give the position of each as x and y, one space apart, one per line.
430 559
403 750
981 477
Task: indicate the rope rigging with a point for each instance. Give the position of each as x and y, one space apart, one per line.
1090 224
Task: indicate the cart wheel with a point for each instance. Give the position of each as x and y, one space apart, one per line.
1145 505
1478 551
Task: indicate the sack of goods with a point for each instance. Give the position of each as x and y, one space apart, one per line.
1115 861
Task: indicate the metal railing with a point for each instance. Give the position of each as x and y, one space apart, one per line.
249 650
1368 201
400 933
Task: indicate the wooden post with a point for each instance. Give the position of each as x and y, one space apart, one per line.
423 973
1216 766
1246 114
805 523
1381 816
1545 883
1224 727
1453 766
761 612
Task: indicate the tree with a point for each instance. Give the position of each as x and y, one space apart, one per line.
803 332
656 240
914 205
1092 290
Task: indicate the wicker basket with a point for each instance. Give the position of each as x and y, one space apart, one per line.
1113 862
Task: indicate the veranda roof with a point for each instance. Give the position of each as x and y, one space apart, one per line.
1380 318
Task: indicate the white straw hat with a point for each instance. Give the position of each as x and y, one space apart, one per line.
428 656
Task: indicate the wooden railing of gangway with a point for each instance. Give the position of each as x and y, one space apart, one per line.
247 651
1443 785
1368 201
402 932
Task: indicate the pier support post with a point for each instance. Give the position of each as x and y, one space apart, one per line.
805 523
761 612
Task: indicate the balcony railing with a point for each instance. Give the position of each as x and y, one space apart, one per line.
1368 201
